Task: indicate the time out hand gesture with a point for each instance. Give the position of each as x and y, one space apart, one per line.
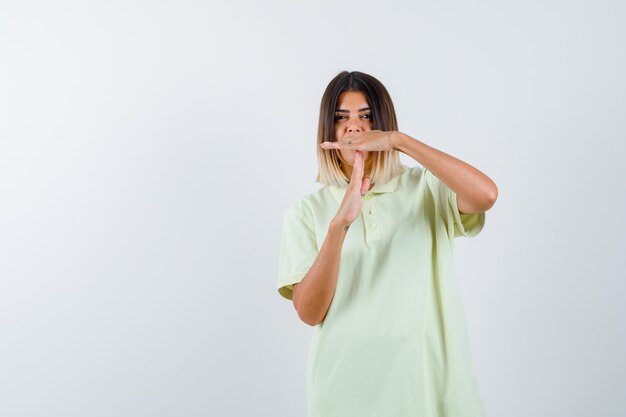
371 140
351 205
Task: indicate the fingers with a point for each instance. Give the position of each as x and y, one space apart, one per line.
365 186
348 143
338 145
371 140
357 170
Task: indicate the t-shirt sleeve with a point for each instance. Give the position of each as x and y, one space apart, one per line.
468 225
298 248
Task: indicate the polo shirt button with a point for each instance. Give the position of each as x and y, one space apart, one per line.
373 226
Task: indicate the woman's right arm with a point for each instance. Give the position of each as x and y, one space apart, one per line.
313 294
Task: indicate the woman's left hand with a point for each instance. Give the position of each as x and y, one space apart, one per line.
372 140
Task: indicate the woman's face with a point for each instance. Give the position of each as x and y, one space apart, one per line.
352 116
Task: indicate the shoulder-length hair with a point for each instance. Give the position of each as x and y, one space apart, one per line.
386 164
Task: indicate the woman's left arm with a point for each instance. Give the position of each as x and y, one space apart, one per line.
475 192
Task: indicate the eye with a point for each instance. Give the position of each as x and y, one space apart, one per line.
368 116
339 117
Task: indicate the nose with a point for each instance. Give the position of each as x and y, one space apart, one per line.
354 126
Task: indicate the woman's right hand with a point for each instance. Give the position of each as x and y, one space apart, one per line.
351 205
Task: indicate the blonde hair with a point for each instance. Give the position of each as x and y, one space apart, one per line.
386 164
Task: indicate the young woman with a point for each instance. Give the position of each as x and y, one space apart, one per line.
368 260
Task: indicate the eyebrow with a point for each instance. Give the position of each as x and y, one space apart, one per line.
348 111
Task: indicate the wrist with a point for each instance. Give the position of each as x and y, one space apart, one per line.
339 225
401 141
397 140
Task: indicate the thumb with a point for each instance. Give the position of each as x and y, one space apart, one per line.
365 185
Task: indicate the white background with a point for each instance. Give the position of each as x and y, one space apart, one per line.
149 149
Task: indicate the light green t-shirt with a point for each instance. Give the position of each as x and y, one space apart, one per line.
394 340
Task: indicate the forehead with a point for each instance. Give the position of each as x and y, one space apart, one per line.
352 100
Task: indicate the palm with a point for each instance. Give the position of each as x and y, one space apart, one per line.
352 205
373 140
